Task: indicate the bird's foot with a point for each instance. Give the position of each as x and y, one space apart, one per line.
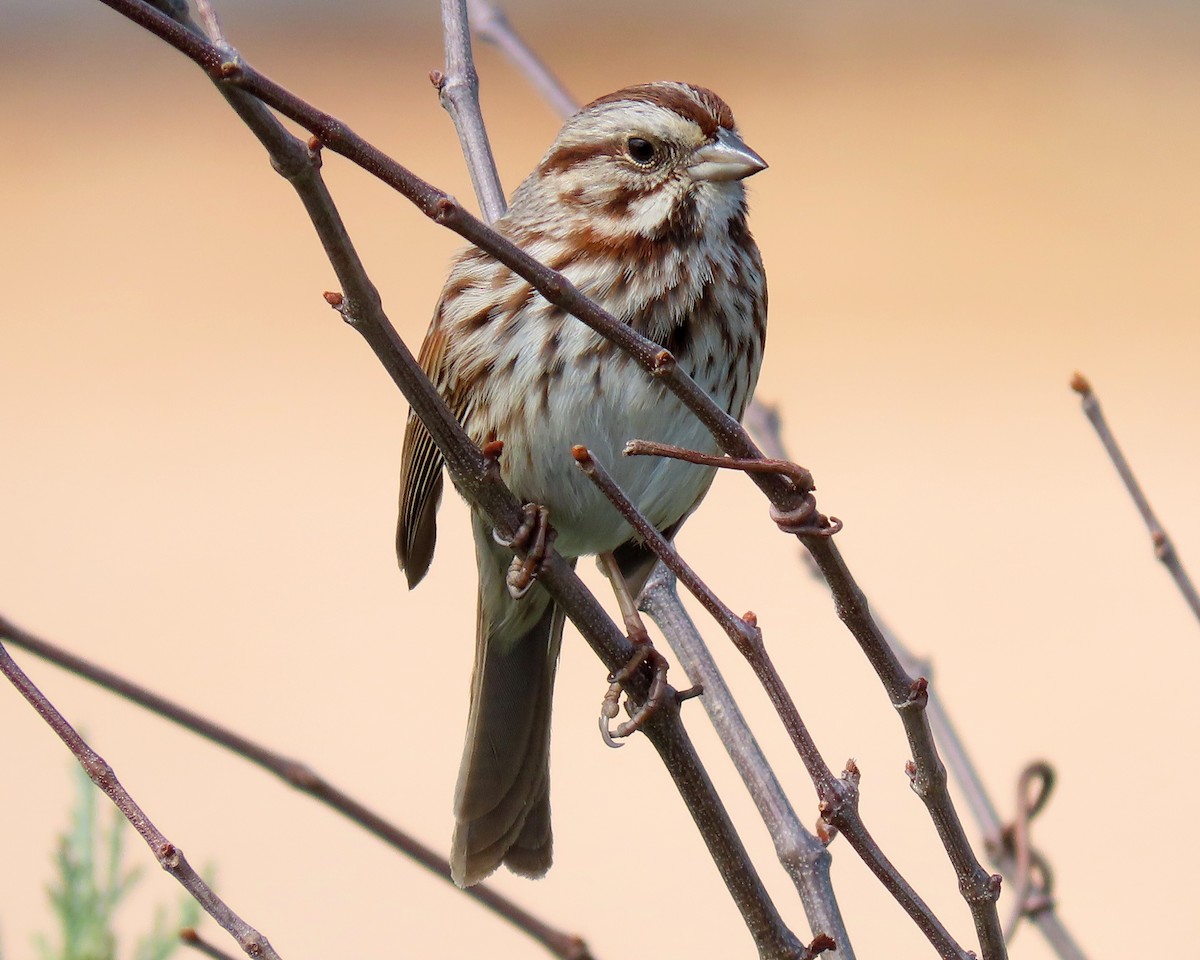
643 653
531 542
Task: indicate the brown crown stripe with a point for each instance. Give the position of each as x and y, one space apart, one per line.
698 104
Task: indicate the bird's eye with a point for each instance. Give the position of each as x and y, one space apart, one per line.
641 151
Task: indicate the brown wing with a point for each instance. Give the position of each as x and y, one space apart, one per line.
420 477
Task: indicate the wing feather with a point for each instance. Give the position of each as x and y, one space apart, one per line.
421 480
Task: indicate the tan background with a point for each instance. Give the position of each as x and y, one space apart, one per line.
199 464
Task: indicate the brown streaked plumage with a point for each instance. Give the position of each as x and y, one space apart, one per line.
639 202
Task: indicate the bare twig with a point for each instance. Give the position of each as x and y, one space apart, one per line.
908 695
799 476
492 26
767 427
362 308
804 857
737 628
458 89
1164 548
764 423
1034 880
190 938
169 857
302 777
838 796
210 22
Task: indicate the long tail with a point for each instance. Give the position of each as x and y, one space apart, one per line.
502 802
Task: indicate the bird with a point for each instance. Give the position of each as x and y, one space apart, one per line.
640 203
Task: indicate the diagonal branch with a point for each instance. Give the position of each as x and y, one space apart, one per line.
300 776
804 857
492 26
1164 548
766 425
838 796
169 857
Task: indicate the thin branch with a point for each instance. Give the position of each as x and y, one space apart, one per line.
190 938
302 777
804 857
1164 548
1033 876
767 427
493 27
838 796
458 89
169 857
472 472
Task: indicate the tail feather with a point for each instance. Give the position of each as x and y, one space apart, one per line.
502 806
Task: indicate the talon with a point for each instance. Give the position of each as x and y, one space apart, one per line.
609 707
644 652
804 520
520 539
532 538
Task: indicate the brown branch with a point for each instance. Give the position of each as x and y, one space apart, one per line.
838 797
302 777
767 426
1164 548
481 486
908 695
169 857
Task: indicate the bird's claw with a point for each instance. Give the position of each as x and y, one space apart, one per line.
533 539
643 652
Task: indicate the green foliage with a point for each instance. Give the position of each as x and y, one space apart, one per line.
92 883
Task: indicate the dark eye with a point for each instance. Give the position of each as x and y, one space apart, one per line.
640 151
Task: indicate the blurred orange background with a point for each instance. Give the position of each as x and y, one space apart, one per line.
965 204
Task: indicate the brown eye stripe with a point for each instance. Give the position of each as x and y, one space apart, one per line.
567 156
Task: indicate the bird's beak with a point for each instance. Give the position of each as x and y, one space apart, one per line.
726 158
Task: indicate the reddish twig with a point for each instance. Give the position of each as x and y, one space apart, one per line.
1164 548
801 519
169 857
730 622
